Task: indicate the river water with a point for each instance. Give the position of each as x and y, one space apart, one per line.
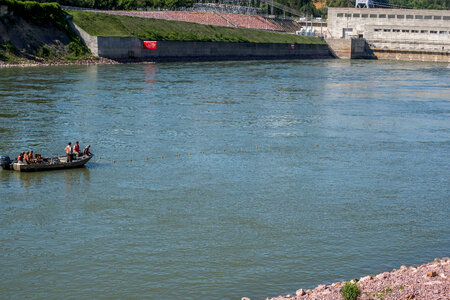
220 180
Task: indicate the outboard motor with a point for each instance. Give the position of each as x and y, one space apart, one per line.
5 162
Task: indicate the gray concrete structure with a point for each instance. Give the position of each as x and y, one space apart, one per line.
401 30
132 48
351 48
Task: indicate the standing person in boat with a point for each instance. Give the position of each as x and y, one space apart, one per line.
69 152
76 148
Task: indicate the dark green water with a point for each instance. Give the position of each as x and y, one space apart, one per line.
275 176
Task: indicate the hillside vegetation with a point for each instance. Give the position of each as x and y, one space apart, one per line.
306 6
155 29
32 31
124 4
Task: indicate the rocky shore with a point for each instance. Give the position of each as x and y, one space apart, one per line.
429 282
86 61
81 62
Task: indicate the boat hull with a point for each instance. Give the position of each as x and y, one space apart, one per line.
63 164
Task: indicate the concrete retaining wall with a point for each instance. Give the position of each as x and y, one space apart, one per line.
90 41
133 48
350 48
360 49
412 55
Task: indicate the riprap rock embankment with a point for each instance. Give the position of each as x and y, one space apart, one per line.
429 281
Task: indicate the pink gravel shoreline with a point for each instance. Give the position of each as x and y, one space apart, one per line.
429 282
80 62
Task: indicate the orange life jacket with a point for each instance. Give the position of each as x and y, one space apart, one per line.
68 149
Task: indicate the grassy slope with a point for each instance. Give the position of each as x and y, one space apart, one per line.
156 29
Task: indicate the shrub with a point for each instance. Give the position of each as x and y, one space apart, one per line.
44 51
350 291
38 13
9 48
8 52
75 48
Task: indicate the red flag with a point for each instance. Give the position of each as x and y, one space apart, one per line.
150 44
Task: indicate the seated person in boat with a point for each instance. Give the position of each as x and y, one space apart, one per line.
25 157
38 158
69 152
30 159
87 150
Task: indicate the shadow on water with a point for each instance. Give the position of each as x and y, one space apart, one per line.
72 177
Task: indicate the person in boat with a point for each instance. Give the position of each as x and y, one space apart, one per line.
87 150
76 148
30 159
25 157
69 152
38 158
21 156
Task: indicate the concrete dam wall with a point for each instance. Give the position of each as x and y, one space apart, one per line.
402 34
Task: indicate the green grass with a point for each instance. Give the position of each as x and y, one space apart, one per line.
162 30
350 291
384 293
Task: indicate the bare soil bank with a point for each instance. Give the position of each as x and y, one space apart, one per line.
429 281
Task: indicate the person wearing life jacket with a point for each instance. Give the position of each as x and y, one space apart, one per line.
69 152
76 148
20 157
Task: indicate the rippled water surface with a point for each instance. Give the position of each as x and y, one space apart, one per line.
230 179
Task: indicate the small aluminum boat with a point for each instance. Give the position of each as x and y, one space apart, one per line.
50 163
